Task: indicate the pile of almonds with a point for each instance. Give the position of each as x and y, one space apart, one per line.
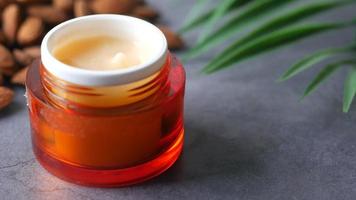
25 22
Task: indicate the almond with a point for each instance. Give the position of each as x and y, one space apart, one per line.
6 96
31 31
20 77
3 3
145 12
48 14
141 2
174 40
33 1
9 71
2 38
81 8
113 6
65 5
7 62
11 17
34 51
22 57
1 79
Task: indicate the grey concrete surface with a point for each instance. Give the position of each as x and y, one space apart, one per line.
247 137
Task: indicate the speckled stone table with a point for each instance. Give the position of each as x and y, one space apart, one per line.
247 137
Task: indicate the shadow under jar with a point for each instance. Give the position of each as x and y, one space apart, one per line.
106 128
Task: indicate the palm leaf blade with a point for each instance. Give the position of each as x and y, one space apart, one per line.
268 42
197 21
202 19
219 12
322 76
282 21
309 61
349 89
249 14
192 19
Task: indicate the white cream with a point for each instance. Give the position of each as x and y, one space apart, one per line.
101 52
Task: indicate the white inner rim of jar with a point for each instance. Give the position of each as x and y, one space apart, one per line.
143 33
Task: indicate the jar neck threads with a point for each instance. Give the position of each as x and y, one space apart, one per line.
143 93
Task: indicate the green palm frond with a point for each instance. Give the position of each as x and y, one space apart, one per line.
311 60
247 14
275 23
269 42
193 22
216 15
350 89
194 19
324 74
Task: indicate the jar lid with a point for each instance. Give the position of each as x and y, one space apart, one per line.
143 32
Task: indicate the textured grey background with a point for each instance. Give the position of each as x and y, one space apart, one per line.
246 136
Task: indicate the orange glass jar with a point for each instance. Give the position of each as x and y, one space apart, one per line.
110 128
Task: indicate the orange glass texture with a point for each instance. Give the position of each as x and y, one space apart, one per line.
107 145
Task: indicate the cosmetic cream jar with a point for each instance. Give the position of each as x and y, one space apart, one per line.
111 127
